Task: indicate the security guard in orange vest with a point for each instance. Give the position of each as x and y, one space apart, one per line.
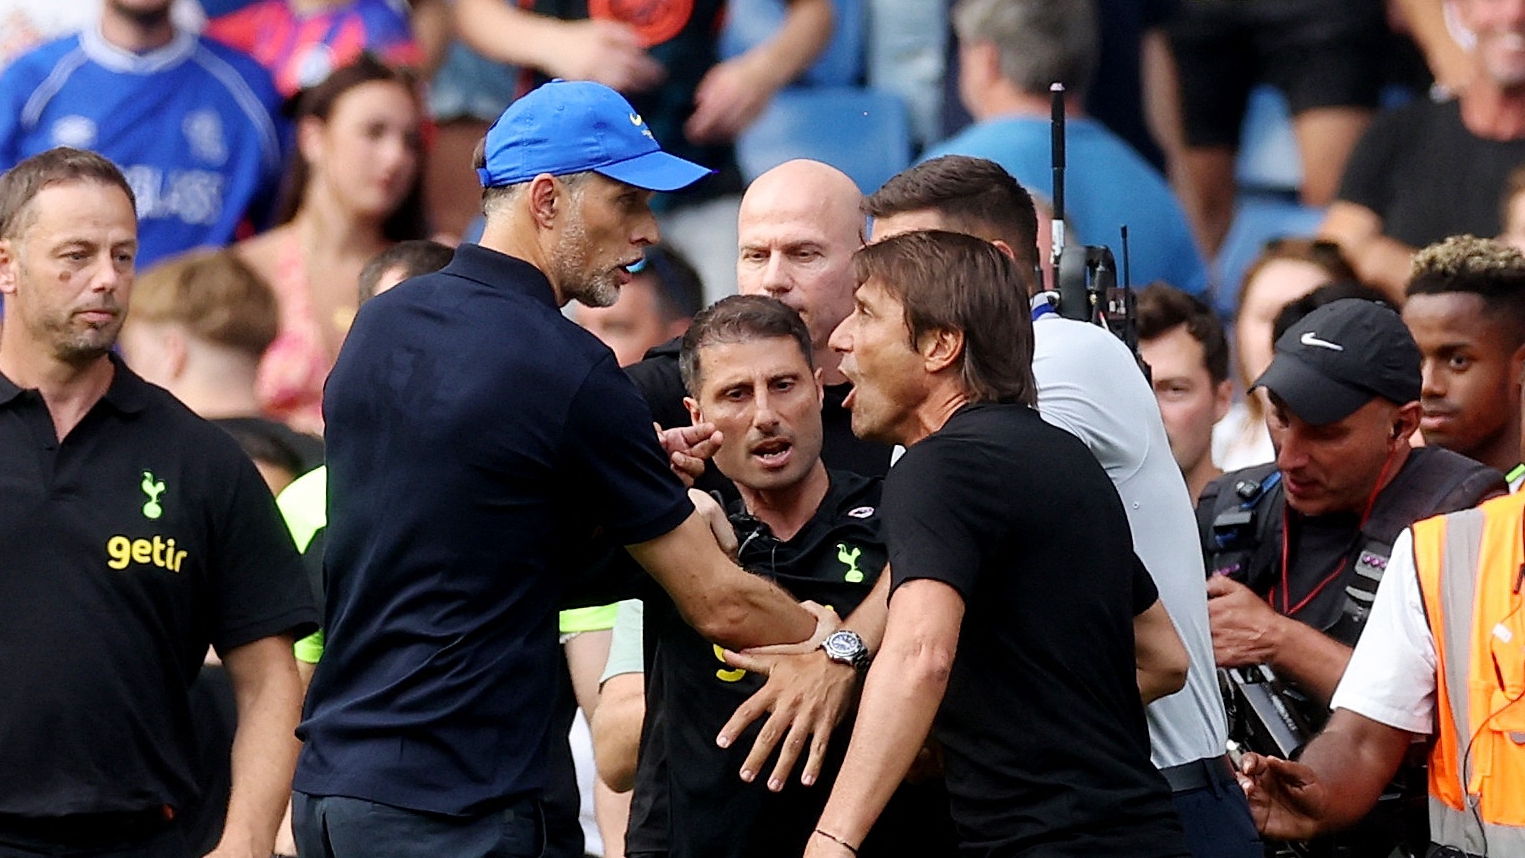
1442 655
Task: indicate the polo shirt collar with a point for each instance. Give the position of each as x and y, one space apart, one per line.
126 393
117 59
501 271
8 390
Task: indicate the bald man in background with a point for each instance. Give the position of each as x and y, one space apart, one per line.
799 225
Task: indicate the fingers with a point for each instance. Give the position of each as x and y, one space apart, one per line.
1222 585
749 660
819 741
767 739
800 648
690 439
688 468
800 735
743 717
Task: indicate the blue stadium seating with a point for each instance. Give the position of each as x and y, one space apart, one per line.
863 132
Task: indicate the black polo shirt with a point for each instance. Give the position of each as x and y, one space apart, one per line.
126 549
476 439
688 801
1043 732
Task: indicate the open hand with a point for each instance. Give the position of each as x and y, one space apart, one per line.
1287 801
806 697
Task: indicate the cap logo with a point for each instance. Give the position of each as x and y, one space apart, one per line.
1312 339
636 120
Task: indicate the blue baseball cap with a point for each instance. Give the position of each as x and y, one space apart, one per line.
568 126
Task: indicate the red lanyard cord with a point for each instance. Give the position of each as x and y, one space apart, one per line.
1286 527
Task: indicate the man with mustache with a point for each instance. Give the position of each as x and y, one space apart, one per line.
134 534
1466 310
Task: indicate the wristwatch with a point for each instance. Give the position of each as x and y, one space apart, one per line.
846 647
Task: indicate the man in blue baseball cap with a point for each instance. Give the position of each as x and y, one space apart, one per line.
478 442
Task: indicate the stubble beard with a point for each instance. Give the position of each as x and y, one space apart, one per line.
590 288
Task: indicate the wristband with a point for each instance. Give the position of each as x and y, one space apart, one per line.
837 840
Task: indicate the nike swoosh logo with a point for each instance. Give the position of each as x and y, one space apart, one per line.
1312 339
635 119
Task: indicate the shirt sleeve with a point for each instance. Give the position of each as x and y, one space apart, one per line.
257 582
626 650
1145 592
930 524
634 494
1083 376
1391 675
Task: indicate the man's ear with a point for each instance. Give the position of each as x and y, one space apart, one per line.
941 349
695 416
1004 248
1406 421
545 199
1223 399
9 267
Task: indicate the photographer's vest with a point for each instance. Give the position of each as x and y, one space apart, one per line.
1469 566
1246 522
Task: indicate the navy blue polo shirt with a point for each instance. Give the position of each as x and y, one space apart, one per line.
125 549
477 440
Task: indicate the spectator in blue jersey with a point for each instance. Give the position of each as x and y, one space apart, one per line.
192 123
1010 51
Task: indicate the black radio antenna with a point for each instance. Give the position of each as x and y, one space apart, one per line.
1056 127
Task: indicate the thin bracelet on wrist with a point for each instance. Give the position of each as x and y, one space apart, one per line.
837 840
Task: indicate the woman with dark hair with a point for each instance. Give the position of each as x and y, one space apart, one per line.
352 189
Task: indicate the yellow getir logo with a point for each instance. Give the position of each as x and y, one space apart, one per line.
156 552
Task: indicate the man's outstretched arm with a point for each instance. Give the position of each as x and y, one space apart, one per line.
901 696
723 603
1338 780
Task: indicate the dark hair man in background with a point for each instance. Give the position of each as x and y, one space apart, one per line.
1466 310
814 530
1183 343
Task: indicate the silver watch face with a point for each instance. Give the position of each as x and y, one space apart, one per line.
843 645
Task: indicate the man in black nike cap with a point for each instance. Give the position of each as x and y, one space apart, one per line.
1295 548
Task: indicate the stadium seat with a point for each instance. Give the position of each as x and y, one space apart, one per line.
1257 220
1268 158
864 133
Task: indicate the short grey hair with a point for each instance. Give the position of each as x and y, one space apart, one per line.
495 198
1040 41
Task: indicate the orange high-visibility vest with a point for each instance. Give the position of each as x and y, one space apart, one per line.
1469 566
